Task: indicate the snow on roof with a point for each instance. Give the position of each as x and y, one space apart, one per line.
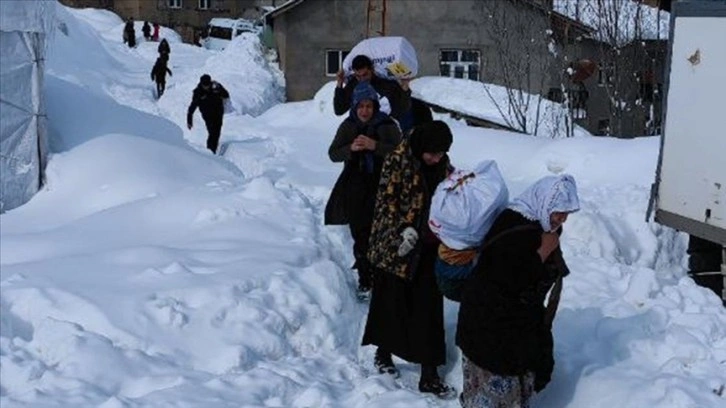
27 15
230 22
489 102
633 20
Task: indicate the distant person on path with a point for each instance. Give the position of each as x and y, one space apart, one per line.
130 33
398 95
146 29
362 141
155 36
158 74
164 49
209 97
504 328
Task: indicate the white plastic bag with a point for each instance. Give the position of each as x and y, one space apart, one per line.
466 204
393 57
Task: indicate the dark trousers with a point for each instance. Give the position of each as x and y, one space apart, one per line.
361 234
214 128
160 87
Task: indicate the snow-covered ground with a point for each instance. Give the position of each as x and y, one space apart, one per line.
150 273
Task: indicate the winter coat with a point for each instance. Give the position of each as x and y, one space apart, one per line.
403 200
209 101
353 196
159 71
129 30
502 326
146 29
399 99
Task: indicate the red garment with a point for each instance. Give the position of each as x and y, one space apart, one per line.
155 36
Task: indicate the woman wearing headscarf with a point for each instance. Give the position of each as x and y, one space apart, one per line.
406 315
504 329
364 138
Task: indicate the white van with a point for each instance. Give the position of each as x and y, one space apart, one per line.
220 31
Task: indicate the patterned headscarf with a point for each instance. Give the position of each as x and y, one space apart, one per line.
549 194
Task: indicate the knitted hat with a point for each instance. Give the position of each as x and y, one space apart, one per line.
431 137
205 79
364 91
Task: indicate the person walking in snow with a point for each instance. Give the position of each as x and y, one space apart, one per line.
398 95
158 74
155 35
504 329
406 314
146 29
209 97
362 141
130 33
164 49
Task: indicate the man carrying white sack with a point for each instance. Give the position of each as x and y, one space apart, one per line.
397 93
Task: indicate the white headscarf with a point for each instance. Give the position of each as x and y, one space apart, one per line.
549 194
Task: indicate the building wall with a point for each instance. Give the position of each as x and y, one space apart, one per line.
305 33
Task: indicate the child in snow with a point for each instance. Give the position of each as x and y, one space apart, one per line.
158 74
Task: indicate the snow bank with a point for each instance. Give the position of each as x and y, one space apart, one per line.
242 68
152 274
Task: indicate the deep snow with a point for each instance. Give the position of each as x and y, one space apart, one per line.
150 273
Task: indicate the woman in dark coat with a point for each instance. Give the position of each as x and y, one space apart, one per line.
504 330
406 316
364 138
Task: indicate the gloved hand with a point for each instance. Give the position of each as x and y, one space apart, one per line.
410 236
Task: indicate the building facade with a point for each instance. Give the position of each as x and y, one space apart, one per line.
505 42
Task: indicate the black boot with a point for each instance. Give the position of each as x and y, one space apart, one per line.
384 363
430 382
364 281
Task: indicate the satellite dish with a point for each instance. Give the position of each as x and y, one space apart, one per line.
583 69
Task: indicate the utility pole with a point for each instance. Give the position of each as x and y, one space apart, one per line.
376 18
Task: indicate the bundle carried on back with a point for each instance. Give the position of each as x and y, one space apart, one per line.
393 57
463 209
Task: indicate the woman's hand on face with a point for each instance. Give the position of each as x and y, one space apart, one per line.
550 242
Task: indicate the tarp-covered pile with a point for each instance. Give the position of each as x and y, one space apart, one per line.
24 27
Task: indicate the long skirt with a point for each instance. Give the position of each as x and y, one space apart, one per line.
483 389
407 318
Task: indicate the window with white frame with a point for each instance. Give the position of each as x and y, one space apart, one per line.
460 63
334 61
175 4
205 4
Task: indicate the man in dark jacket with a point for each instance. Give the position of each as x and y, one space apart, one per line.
363 140
146 29
130 33
158 74
399 96
209 97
